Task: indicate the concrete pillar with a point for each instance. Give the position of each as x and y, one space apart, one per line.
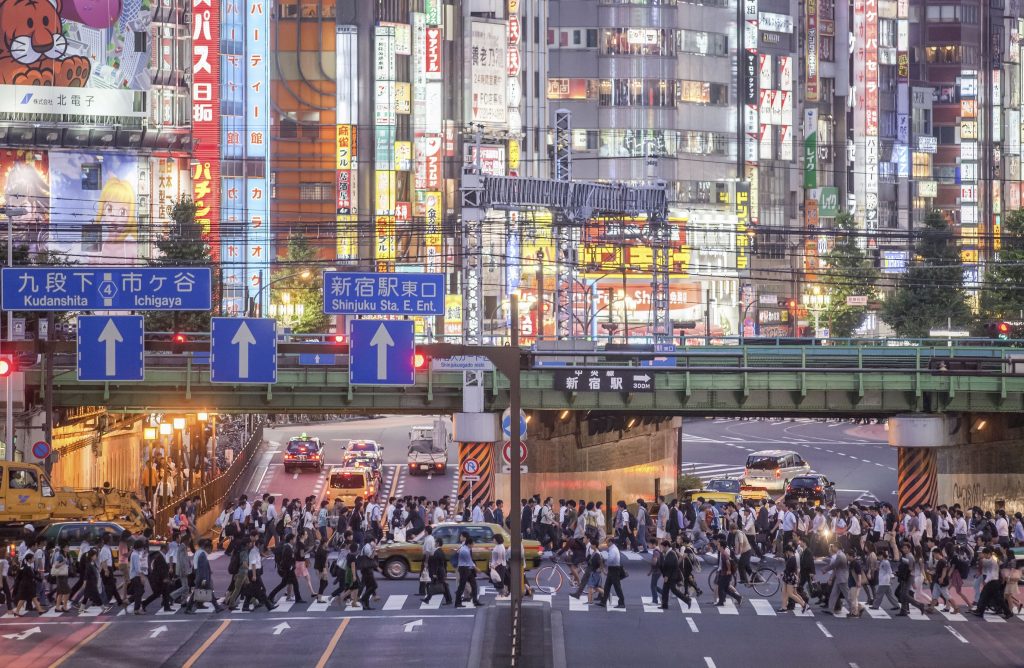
917 437
476 434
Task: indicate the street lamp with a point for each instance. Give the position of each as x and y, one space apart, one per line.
816 302
165 429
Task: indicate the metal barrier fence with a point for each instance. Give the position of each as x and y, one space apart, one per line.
212 494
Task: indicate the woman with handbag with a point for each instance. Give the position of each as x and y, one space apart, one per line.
498 571
203 591
437 567
59 570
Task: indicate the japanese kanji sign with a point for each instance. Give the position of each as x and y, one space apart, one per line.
604 380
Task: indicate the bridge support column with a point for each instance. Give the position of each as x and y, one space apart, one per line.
917 437
476 434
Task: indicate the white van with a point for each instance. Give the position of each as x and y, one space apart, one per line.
773 469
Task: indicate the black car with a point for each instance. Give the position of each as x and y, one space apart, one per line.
816 489
304 452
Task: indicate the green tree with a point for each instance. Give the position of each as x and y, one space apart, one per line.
183 246
1003 296
931 293
298 289
848 272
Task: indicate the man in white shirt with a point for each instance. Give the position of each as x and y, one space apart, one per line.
662 518
613 562
272 518
375 513
1002 528
477 514
440 514
787 524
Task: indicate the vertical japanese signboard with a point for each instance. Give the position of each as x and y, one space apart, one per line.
751 121
488 64
384 124
206 118
234 140
969 181
811 83
259 251
865 76
346 119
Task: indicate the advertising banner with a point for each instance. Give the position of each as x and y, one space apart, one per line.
206 119
488 61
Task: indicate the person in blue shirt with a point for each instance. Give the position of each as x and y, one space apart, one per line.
467 571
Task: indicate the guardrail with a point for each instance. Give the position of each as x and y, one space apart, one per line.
213 493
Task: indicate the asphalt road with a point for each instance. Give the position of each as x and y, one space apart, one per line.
857 458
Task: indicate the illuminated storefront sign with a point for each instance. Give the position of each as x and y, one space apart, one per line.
488 67
970 220
865 68
433 53
257 120
347 99
811 84
754 146
206 119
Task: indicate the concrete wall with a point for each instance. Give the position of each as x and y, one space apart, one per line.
629 461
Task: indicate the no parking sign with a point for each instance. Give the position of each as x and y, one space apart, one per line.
470 469
41 450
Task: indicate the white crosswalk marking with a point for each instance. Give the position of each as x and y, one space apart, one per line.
692 609
917 614
995 619
650 605
612 602
542 598
632 556
320 607
174 609
284 605
435 603
394 602
91 611
956 616
805 613
577 605
763 607
878 614
53 612
729 608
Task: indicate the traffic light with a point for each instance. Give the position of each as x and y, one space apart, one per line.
178 341
999 330
419 361
7 366
339 338
791 304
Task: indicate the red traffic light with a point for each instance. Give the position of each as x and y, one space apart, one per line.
419 361
6 366
179 338
1003 327
339 338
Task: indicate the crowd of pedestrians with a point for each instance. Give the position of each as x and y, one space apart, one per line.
854 557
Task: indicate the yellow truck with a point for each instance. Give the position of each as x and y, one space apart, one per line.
27 497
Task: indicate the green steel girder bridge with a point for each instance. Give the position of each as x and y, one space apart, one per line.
779 380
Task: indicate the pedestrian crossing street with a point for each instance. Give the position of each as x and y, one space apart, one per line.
748 607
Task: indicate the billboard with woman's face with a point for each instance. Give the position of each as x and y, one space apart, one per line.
25 186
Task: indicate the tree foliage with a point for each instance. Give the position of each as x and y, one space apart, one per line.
1003 296
182 246
848 272
931 292
298 288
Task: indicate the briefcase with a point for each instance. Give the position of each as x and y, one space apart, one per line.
203 596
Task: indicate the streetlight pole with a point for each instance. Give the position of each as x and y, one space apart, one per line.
10 212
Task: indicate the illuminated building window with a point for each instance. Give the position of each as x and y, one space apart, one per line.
703 92
637 93
638 42
572 89
922 165
703 43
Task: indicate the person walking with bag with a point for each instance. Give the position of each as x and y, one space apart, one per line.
437 569
203 592
671 569
790 577
467 572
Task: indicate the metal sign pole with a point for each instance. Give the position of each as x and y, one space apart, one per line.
515 487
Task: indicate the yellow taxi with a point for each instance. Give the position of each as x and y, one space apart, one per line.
349 482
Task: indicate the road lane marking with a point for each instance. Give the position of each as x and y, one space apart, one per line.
81 643
763 607
821 627
331 645
206 645
692 624
394 602
957 635
709 662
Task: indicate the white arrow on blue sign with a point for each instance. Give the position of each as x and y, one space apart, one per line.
110 348
382 352
243 350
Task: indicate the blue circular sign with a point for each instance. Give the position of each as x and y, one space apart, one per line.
41 450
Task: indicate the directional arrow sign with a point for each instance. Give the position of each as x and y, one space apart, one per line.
243 350
157 631
281 628
243 339
409 626
643 379
382 341
110 348
381 352
24 634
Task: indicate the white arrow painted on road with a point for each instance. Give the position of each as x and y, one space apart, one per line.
157 631
413 624
281 628
644 378
111 336
382 341
24 634
243 338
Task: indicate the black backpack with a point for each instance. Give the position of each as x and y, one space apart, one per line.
632 522
235 563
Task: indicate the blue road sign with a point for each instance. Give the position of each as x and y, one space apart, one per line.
352 293
243 350
110 348
381 352
317 359
106 289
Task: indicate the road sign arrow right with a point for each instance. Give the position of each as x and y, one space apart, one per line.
382 341
110 336
243 338
643 379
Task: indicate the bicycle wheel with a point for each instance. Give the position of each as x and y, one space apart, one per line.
766 582
713 581
548 580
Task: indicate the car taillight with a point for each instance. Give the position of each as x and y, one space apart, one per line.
817 488
778 473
